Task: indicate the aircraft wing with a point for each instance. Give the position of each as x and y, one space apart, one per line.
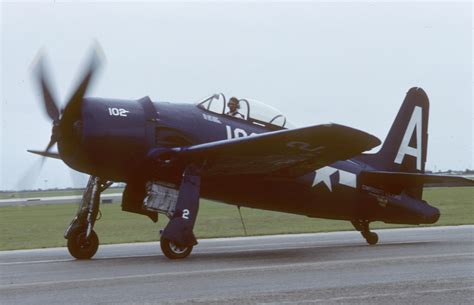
397 181
286 152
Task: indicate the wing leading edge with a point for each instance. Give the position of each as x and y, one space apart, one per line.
286 152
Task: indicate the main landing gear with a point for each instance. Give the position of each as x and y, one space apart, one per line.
363 226
82 241
181 206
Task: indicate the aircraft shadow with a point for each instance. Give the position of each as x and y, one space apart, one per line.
292 254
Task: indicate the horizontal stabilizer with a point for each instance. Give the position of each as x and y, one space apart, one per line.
45 154
398 181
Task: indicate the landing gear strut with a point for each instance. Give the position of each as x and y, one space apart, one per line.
82 241
363 226
177 239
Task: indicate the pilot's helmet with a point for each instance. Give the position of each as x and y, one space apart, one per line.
234 100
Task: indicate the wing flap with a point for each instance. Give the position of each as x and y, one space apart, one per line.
285 152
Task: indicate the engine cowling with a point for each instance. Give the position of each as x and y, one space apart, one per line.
109 138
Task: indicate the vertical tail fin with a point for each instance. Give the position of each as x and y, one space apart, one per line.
404 149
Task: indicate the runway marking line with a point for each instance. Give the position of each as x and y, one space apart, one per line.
236 269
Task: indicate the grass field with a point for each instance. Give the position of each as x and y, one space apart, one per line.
25 227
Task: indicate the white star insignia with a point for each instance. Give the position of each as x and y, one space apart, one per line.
324 175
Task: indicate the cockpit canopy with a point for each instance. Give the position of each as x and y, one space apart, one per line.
253 111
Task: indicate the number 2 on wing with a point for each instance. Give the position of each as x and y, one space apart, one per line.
186 214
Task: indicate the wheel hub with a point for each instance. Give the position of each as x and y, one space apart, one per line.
83 241
176 249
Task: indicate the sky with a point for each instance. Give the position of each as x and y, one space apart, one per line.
318 62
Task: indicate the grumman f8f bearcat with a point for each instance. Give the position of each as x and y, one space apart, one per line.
170 155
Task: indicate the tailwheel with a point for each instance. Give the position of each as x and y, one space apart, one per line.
173 251
363 227
371 237
80 246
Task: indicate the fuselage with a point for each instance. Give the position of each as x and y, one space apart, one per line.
118 135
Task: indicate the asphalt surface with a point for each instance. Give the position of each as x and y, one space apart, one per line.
105 198
408 266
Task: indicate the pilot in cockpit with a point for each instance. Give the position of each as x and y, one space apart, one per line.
234 106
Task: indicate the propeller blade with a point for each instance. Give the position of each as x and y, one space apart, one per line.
46 151
50 144
45 154
49 102
93 65
65 121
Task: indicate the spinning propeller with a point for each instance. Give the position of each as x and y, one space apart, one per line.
67 120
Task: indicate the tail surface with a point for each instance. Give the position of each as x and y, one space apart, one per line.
404 149
398 168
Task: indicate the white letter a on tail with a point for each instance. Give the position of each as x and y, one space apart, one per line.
405 148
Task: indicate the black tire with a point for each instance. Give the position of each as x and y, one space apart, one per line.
172 251
371 238
80 247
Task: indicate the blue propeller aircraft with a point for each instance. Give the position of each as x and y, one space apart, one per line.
240 152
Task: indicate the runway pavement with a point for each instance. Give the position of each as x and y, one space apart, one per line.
408 266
